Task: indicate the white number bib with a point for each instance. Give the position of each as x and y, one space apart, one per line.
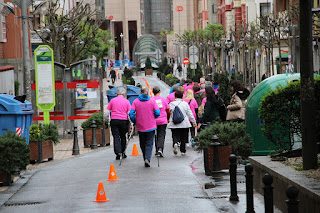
159 102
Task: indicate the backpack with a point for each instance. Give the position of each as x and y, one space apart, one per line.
177 115
222 109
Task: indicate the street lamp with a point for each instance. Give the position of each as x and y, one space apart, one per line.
228 46
122 48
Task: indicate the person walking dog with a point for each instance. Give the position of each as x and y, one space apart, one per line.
119 108
143 113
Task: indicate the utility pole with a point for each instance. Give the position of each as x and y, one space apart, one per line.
26 50
307 96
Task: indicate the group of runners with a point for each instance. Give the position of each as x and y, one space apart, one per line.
195 103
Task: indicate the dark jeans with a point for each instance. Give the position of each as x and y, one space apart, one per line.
180 135
146 144
119 128
192 130
113 79
160 136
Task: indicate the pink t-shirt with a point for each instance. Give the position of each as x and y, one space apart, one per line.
171 97
119 107
163 106
193 106
145 114
186 87
204 101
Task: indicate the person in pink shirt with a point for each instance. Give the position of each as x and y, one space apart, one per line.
161 121
119 108
188 85
143 113
171 96
204 101
189 98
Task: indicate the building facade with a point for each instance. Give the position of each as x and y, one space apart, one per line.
125 25
11 49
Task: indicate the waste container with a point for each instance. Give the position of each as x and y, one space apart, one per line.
262 146
132 93
15 115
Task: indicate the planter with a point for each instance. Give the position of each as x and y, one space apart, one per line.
208 155
87 137
5 178
46 151
148 72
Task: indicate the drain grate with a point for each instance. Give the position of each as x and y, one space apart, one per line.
22 204
210 198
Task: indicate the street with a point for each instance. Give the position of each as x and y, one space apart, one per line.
71 185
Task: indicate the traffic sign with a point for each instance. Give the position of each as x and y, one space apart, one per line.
193 50
193 66
45 83
179 8
186 61
194 59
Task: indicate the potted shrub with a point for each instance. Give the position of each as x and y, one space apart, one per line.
232 137
148 68
87 130
42 138
14 152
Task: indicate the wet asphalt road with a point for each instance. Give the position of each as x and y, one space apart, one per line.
71 185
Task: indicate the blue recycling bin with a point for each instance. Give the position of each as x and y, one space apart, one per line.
15 115
132 93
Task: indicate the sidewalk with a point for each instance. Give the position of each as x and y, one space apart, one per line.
62 151
217 188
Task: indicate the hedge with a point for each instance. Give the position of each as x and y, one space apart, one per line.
280 112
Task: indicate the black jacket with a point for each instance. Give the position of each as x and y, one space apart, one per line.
211 112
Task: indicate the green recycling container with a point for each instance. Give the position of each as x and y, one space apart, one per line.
262 146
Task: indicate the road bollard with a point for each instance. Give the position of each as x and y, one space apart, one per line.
233 177
249 188
94 144
268 193
292 203
216 160
75 149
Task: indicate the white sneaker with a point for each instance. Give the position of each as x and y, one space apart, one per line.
178 144
175 149
183 153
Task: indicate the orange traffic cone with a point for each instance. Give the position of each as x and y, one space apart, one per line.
135 150
101 194
112 174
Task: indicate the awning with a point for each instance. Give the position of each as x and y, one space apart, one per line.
283 55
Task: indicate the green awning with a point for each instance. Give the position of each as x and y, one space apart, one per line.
283 55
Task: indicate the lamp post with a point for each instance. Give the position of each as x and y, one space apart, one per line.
228 45
122 48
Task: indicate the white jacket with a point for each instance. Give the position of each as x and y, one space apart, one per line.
186 111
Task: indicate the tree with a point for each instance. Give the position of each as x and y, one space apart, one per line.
148 63
70 35
100 44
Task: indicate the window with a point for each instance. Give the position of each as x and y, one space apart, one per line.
4 32
264 9
3 26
